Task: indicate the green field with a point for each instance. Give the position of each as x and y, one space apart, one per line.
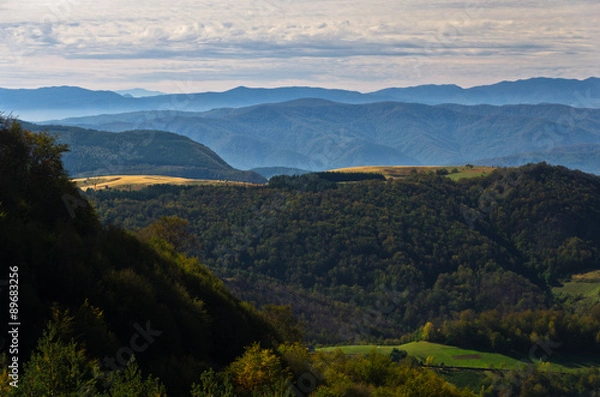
447 355
451 356
585 285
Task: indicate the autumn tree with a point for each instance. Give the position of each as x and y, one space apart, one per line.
257 370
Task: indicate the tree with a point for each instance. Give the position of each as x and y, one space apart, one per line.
396 355
129 382
172 229
257 370
58 367
282 317
212 385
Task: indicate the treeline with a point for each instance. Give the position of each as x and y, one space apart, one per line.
545 332
374 260
319 181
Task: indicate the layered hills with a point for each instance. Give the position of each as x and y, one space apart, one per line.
317 134
60 102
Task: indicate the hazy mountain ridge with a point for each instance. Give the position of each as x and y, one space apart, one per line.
318 134
570 92
60 102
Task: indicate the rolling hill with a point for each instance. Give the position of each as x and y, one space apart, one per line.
316 134
94 153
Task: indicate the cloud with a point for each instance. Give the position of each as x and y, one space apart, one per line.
441 41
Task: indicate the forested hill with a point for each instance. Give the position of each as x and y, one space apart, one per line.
140 152
104 292
373 260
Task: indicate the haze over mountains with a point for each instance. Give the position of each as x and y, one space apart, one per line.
317 134
509 124
60 102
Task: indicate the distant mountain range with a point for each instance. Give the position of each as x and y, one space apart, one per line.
139 93
317 134
93 153
60 102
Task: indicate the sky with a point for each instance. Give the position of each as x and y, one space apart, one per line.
203 45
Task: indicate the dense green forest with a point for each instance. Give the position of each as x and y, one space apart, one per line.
376 260
99 311
107 312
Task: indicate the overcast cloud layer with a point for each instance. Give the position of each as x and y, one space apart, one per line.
199 45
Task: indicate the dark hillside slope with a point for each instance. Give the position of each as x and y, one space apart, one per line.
107 281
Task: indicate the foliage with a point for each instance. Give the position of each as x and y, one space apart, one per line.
374 260
57 367
122 295
396 355
529 381
129 382
350 176
212 385
518 331
257 370
377 375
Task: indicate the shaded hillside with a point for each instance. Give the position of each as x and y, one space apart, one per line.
317 135
374 260
93 153
102 286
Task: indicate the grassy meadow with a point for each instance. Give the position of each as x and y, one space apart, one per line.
583 285
136 182
451 356
398 172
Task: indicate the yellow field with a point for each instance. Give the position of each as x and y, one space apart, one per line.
135 182
591 277
395 172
